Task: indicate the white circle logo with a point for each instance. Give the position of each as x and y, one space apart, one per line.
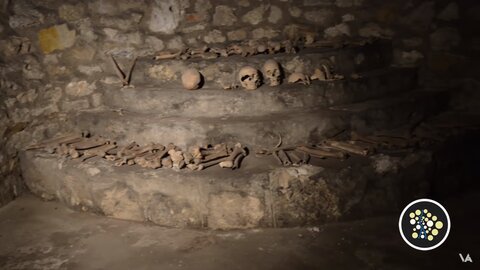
424 224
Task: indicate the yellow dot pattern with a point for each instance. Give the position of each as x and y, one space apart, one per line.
422 228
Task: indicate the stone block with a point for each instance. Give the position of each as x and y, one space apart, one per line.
57 37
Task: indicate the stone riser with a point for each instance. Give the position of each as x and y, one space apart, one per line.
222 199
265 100
295 127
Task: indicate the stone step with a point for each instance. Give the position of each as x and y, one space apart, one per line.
173 100
259 194
343 60
295 127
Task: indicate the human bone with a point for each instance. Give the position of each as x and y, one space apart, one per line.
298 77
318 74
271 70
249 78
191 79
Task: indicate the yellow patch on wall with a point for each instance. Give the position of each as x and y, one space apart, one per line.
57 37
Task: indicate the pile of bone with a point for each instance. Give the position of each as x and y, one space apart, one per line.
301 154
150 156
358 144
253 47
249 48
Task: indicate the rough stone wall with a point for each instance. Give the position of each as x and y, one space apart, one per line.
54 54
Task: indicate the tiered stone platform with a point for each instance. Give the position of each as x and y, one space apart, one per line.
260 193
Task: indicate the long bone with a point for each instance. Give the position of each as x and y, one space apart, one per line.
134 152
88 143
322 153
125 78
229 162
67 139
284 158
100 151
219 151
348 147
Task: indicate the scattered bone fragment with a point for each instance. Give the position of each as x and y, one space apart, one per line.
229 162
187 157
298 77
177 158
194 167
273 47
167 162
196 154
73 153
318 74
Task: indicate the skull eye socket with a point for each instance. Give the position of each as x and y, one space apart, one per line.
243 78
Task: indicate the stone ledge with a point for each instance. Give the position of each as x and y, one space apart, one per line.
173 100
254 196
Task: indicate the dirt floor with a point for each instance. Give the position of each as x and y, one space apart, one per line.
46 235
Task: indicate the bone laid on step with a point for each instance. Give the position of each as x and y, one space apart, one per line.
218 151
348 147
282 155
322 152
229 162
177 158
149 160
382 140
128 155
100 151
67 139
167 162
295 158
87 143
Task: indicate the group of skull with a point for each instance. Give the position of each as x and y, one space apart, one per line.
250 78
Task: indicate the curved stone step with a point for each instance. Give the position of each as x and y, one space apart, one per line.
295 127
344 60
173 100
253 196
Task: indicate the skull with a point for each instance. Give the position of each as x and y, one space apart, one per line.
191 79
272 72
298 77
249 78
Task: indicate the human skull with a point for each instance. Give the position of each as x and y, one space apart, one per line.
249 78
191 79
271 70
